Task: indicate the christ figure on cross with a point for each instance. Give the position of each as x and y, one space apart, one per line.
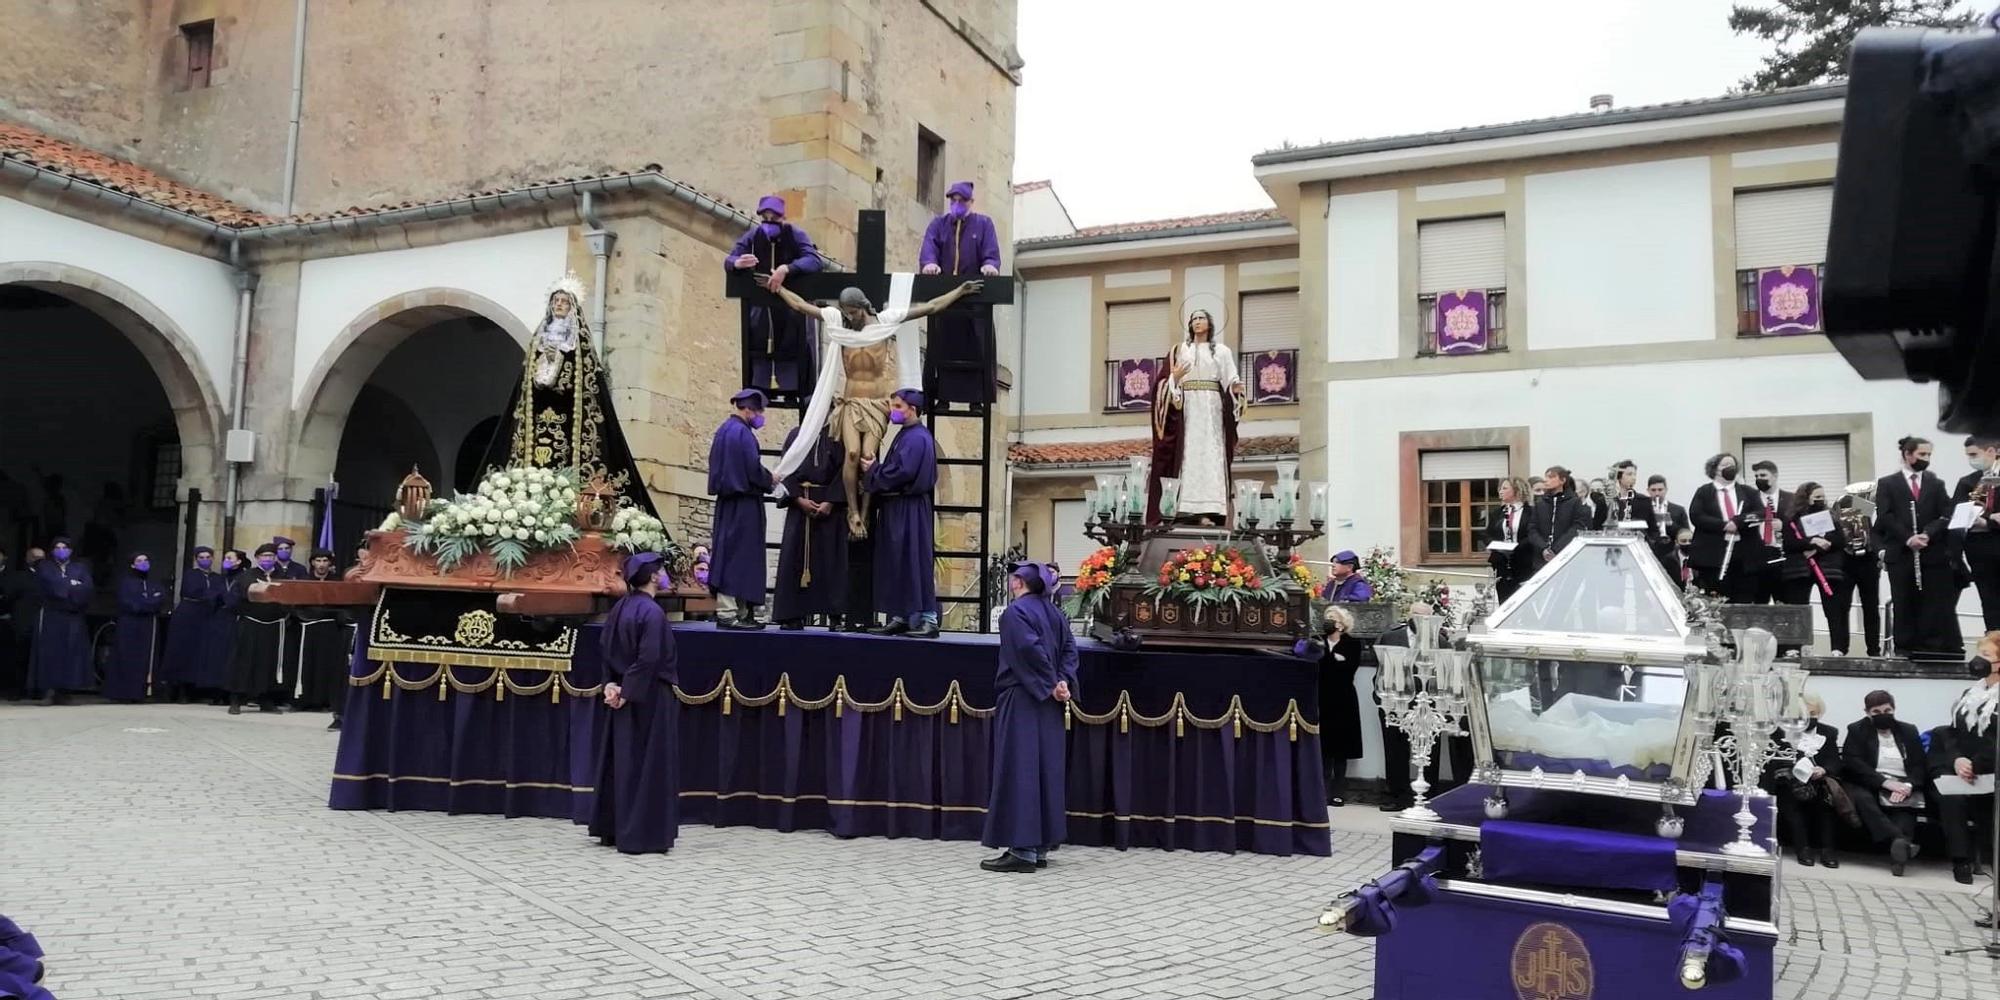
860 416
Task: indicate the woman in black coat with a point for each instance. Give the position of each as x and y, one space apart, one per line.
1807 808
1339 704
1813 561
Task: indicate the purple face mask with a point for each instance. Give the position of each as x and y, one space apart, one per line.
266 563
757 420
701 574
959 208
61 552
203 562
142 565
899 416
771 229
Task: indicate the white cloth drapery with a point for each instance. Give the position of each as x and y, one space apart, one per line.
832 381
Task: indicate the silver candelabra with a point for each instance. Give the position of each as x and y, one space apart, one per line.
1423 690
1755 694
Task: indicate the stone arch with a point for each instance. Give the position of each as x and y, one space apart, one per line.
194 398
347 363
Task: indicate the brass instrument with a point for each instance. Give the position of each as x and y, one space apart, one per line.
1854 510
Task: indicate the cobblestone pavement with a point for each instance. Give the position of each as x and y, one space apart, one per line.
163 853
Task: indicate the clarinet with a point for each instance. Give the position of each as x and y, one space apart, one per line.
1916 555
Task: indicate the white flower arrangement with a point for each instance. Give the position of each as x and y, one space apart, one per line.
512 513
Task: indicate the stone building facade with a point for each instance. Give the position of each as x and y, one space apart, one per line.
491 145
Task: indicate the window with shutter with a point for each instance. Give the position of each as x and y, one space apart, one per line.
1821 460
1138 330
1268 354
1458 254
1785 227
1460 486
199 39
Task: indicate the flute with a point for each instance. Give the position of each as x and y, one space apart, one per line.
1916 554
1728 556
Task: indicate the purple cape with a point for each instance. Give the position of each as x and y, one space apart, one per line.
134 653
960 245
61 657
638 785
187 628
738 481
1026 806
905 530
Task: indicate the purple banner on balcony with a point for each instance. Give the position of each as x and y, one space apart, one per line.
1460 323
1134 385
1788 300
1274 377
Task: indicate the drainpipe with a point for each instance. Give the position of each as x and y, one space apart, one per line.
246 285
298 103
601 241
1020 401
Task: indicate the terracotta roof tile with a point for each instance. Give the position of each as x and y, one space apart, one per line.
18 142
1116 452
1184 222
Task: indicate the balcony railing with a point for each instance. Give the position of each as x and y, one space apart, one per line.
1270 378
1473 321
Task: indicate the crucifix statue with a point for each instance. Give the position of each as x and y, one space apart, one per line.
873 361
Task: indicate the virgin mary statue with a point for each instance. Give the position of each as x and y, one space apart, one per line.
560 414
1195 408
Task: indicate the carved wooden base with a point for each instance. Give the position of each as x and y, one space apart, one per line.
588 567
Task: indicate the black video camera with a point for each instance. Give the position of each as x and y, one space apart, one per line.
1911 269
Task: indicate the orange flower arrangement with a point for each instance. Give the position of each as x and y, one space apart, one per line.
1208 575
1093 581
1302 574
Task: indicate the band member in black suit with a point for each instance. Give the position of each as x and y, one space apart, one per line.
1860 583
1812 559
1884 769
1559 514
1981 542
1507 525
1806 808
1667 528
1768 560
1913 510
1721 511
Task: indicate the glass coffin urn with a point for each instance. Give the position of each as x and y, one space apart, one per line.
1581 682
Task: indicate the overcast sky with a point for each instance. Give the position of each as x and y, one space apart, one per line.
1146 109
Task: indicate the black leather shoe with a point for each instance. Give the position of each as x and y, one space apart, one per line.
1827 860
855 628
1391 807
1008 862
1984 919
926 631
1961 872
742 625
1899 856
334 726
1805 859
792 626
235 710
893 628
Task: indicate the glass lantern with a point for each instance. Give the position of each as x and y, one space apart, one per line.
1170 498
1316 508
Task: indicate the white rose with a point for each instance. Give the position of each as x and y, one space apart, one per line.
501 481
541 536
622 539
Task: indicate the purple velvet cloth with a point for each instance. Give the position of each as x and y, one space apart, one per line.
1410 884
905 531
738 481
1562 767
1699 919
1552 854
858 773
1710 823
1025 806
20 963
136 644
1466 947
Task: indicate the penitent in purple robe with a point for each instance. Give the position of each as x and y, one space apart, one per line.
1025 809
812 559
960 244
61 659
638 751
780 347
188 628
219 651
905 528
136 647
739 482
961 351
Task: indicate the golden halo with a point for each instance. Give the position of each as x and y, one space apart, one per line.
1210 303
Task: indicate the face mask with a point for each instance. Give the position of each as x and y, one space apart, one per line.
266 563
1981 465
771 229
1728 475
899 416
1763 484
203 562
142 566
1886 720
284 555
756 420
229 566
62 553
958 209
1818 505
1919 464
1979 666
